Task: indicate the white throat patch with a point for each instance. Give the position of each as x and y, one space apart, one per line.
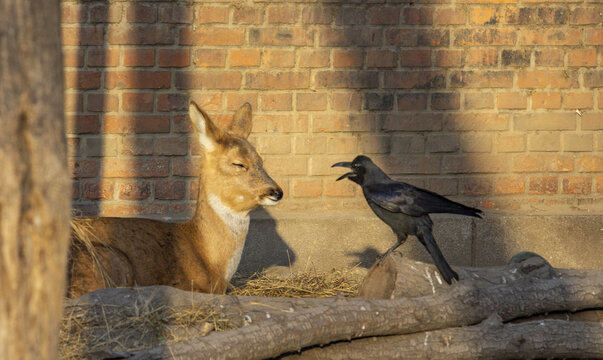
238 224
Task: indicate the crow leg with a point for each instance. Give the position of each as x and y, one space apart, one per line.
401 240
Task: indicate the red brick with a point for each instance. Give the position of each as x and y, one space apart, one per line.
417 15
314 58
235 100
97 190
349 37
552 16
542 162
85 168
280 36
415 80
210 58
375 144
349 16
482 57
137 101
247 15
511 143
342 123
82 80
459 164
582 57
381 59
593 78
402 37
311 101
141 35
511 100
347 79
212 14
73 57
479 100
519 16
245 57
316 15
415 58
105 14
73 13
282 15
484 15
136 146
412 101
383 15
585 16
172 102
546 100
592 121
449 16
443 143
578 100
600 184
408 144
139 57
476 186
82 36
340 189
347 58
276 102
422 122
489 37
134 190
170 189
277 80
550 37
543 79
543 185
306 188
476 122
549 57
212 36
174 57
445 101
175 14
544 141
589 163
103 57
141 13
379 101
519 58
482 79
102 102
208 80
545 121
279 58
82 124
509 185
577 142
138 124
346 102
577 185
173 145
449 58
131 168
137 79
594 36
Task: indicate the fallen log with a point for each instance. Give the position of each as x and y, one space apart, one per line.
467 302
490 340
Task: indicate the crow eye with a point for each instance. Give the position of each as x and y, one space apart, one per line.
239 166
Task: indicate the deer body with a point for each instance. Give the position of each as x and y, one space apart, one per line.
201 254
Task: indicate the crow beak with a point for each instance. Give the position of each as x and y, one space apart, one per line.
345 165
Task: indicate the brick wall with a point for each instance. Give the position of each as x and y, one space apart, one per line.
494 103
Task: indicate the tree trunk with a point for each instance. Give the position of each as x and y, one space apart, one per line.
35 187
277 326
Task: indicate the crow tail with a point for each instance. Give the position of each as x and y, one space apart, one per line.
425 236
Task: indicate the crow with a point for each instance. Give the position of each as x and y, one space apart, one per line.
405 208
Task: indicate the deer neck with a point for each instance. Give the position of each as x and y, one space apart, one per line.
224 232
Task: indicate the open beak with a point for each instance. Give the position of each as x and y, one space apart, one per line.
345 165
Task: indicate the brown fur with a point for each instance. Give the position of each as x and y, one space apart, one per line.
194 255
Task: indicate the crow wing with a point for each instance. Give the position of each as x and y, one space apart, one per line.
410 200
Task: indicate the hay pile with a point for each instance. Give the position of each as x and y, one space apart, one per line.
110 331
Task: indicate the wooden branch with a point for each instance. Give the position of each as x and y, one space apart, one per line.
489 340
464 303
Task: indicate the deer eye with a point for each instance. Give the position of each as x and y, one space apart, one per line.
239 166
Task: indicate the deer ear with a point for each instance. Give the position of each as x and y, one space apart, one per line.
241 124
206 131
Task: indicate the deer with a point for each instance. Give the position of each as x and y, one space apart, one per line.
201 254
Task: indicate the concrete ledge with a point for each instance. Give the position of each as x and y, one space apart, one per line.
334 239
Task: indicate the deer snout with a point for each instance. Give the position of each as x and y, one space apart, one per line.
272 196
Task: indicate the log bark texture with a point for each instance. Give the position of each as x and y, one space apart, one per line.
277 326
35 200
